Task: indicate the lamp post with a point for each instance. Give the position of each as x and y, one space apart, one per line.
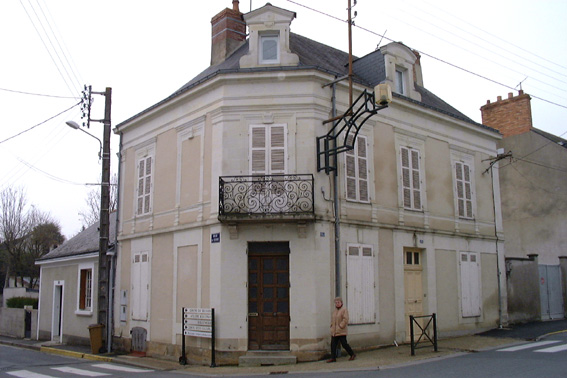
75 125
104 316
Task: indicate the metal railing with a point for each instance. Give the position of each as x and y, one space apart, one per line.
266 195
431 322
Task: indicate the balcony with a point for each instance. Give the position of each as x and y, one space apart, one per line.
277 198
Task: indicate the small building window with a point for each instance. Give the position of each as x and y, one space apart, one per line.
86 289
269 49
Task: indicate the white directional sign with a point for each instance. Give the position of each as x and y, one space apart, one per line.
198 322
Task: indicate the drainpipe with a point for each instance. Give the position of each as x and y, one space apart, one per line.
336 207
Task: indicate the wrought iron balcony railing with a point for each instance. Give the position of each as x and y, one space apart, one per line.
276 197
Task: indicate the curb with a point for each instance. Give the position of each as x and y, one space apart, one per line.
69 353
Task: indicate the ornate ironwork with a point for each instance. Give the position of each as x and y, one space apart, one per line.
266 195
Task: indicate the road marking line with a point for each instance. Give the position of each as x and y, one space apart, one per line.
121 368
557 348
72 370
28 374
527 346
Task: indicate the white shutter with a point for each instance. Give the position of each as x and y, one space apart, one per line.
140 286
411 180
360 284
145 185
464 189
470 284
268 149
258 150
277 149
356 170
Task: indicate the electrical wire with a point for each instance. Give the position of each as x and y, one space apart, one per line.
38 94
39 124
428 55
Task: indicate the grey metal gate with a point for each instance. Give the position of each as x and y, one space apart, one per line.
551 292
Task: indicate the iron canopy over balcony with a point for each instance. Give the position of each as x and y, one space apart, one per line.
282 198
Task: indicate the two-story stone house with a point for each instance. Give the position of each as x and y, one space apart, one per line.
225 203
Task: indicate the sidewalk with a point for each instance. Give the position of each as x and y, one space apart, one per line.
381 358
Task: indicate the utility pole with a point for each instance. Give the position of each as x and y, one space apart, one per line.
103 272
104 317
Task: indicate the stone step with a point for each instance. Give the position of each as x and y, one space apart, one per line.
262 358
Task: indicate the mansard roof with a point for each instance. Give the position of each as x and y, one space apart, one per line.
368 70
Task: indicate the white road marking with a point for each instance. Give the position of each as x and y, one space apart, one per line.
72 370
557 348
121 368
28 374
527 346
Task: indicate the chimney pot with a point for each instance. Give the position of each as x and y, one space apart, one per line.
235 5
510 95
499 98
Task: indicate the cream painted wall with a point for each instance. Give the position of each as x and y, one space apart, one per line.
73 325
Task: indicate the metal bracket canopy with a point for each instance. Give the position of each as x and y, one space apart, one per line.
342 136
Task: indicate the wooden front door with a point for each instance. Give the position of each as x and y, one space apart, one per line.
413 286
268 302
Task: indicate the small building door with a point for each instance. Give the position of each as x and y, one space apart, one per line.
551 292
57 316
268 296
413 285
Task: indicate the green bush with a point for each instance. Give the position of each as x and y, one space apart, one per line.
20 302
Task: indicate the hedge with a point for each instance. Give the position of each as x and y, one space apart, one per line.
20 302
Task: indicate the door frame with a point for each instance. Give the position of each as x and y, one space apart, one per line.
412 268
57 311
268 249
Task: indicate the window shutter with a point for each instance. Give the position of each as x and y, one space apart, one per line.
464 189
258 150
362 169
360 284
470 283
411 180
268 149
277 149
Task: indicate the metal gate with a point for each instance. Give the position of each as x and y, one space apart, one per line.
551 292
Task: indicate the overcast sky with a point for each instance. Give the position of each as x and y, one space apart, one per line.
145 50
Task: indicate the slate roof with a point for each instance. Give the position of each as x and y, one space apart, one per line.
368 70
554 138
84 242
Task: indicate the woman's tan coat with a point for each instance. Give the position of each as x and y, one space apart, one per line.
339 322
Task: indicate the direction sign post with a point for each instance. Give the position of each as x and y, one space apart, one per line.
198 322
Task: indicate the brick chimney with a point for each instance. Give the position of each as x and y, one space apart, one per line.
228 33
511 116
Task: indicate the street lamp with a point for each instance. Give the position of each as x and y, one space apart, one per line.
75 125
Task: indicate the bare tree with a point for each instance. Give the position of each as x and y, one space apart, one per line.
14 227
91 214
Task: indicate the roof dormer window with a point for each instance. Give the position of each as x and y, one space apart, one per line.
269 49
399 81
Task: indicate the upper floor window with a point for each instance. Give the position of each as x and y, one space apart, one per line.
268 149
411 178
356 162
269 49
399 81
144 184
463 181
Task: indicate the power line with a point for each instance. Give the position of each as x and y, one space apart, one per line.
41 123
38 94
428 55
